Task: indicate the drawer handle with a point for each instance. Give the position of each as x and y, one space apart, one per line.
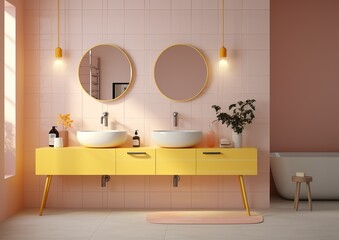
211 153
136 153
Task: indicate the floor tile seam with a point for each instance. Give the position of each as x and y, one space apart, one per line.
166 230
100 224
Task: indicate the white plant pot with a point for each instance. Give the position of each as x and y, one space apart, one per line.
237 139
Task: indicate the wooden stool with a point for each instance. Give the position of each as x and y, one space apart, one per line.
299 180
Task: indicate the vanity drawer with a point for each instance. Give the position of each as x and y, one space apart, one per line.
231 161
75 161
135 161
175 161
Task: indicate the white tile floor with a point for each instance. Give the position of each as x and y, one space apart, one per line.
281 222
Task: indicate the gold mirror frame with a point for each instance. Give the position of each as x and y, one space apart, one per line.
95 68
181 72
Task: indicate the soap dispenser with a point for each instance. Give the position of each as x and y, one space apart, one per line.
51 135
136 139
210 136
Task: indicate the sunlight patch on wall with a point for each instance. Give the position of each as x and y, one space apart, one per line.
10 90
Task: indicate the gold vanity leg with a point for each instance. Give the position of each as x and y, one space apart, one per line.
244 196
49 184
45 194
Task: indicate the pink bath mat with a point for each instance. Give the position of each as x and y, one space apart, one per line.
204 217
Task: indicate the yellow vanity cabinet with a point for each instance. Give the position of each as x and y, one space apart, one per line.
175 161
231 161
75 161
145 161
135 161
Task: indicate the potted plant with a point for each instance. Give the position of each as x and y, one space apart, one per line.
242 113
66 122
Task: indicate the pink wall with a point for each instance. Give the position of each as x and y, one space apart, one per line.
143 29
11 189
304 75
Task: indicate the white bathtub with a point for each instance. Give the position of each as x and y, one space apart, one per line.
322 166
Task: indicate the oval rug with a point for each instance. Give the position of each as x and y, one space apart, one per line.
204 217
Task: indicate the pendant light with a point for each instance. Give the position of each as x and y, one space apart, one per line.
223 51
58 50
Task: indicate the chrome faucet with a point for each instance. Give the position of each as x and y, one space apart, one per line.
104 119
175 119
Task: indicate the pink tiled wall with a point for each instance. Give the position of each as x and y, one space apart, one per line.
143 29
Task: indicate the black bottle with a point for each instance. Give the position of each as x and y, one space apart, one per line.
52 134
136 139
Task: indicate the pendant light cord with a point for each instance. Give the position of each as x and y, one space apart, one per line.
223 21
58 22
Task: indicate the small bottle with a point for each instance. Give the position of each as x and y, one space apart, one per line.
210 137
52 134
136 139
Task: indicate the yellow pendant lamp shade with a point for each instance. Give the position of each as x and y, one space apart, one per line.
223 55
58 52
223 52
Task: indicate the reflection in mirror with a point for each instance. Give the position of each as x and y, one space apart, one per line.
105 72
181 72
119 88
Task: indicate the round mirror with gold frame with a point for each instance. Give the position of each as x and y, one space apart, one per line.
181 72
105 72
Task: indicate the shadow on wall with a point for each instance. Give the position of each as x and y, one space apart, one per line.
9 148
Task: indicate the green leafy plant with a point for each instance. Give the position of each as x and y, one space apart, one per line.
242 113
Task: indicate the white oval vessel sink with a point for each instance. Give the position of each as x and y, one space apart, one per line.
106 138
176 138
